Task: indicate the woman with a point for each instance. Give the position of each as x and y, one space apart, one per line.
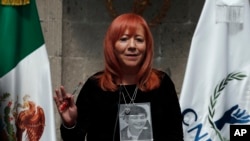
127 79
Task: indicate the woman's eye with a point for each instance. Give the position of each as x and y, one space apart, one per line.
123 39
140 40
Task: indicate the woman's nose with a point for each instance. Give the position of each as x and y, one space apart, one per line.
132 43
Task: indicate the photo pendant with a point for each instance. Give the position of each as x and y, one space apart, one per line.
127 110
135 122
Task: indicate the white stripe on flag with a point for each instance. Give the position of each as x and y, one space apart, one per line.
31 79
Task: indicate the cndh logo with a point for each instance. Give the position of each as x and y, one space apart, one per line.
233 115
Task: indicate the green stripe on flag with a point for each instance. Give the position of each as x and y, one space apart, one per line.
20 34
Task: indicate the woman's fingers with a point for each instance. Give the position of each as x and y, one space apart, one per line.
62 99
63 92
60 96
56 97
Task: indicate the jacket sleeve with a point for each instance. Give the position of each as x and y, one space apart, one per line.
175 121
74 134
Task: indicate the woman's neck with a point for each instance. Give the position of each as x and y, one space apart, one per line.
129 79
129 75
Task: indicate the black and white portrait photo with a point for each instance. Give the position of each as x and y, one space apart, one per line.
135 122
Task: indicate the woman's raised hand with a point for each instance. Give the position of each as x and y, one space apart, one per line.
66 106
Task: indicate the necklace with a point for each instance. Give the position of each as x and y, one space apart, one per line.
132 99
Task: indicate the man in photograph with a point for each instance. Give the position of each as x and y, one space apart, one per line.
138 127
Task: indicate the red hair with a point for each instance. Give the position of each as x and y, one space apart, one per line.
147 78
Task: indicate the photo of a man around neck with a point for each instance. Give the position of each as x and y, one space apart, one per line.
135 122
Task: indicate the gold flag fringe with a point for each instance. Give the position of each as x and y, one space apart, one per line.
15 2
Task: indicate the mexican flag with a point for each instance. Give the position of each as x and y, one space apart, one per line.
26 101
216 88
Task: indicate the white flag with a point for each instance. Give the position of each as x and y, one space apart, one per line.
26 101
216 87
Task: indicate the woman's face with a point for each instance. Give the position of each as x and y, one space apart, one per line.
130 49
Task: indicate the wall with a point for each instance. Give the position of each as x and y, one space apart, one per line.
74 31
